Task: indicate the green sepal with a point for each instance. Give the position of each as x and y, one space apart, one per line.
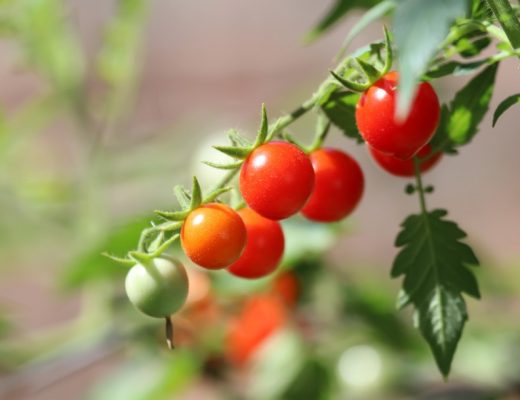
124 261
389 57
156 242
370 72
237 139
233 165
144 258
264 127
173 215
235 152
182 197
164 246
196 194
351 85
140 257
215 193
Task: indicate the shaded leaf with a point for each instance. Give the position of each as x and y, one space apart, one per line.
340 109
434 262
504 106
337 12
419 27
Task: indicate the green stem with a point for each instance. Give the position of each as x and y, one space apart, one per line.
419 185
508 20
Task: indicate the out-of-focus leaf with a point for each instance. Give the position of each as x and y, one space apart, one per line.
335 14
504 106
118 59
340 109
92 265
435 264
148 378
314 381
420 26
377 11
459 122
50 44
275 365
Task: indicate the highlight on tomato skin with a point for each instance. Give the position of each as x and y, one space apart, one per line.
338 188
405 168
376 121
264 246
276 180
261 316
213 236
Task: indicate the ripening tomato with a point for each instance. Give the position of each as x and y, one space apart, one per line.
159 288
276 180
264 246
261 316
376 121
405 168
213 236
338 186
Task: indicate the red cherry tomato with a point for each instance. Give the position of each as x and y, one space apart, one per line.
264 246
276 180
404 168
213 236
375 117
261 316
338 186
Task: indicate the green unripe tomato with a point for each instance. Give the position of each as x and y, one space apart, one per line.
159 288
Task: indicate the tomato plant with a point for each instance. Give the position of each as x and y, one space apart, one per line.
213 236
338 186
264 246
405 168
377 122
276 180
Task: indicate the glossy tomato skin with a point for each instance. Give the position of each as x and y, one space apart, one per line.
264 246
375 118
261 316
276 180
159 288
405 168
213 236
338 187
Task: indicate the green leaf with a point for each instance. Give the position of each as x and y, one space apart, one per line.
337 12
376 12
470 105
340 109
455 68
419 27
504 106
434 262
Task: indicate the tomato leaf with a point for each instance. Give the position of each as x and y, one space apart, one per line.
435 264
459 122
340 109
336 13
455 68
504 106
419 27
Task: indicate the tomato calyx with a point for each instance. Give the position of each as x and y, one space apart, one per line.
363 74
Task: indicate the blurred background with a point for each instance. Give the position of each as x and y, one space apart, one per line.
104 106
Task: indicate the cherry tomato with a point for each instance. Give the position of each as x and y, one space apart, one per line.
159 288
375 117
264 246
213 236
404 168
338 186
261 316
276 180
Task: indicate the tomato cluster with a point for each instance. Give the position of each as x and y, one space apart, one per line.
277 180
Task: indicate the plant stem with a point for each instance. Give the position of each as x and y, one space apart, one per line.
507 19
419 185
